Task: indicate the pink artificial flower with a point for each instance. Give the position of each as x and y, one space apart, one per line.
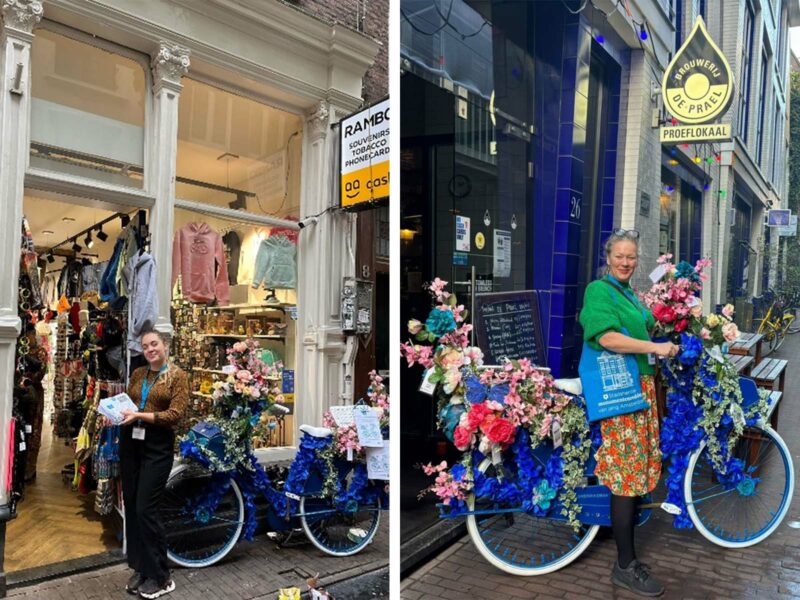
727 311
462 438
452 378
477 415
255 392
451 358
730 332
500 431
240 347
697 311
705 334
430 469
244 375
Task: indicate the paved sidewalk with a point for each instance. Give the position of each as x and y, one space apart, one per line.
690 566
252 571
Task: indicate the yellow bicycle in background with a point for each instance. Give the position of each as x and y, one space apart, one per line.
778 320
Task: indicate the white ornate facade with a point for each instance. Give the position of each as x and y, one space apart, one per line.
263 50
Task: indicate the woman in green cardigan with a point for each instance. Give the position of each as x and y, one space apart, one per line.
629 460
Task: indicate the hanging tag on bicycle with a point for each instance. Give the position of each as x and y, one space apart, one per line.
716 354
137 433
427 387
737 414
557 439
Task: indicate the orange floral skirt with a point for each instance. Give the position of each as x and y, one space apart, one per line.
629 460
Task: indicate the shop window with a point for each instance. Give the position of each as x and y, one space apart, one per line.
87 110
235 282
762 106
668 229
235 152
746 72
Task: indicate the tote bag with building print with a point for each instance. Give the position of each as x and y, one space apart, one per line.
611 384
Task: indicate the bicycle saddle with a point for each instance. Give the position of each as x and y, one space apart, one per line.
571 386
317 432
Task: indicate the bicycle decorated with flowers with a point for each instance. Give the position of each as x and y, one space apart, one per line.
525 482
210 498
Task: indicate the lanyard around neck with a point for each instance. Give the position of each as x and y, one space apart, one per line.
146 387
630 298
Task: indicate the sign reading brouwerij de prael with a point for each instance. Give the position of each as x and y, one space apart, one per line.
697 88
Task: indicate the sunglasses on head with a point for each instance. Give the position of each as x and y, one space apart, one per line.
627 232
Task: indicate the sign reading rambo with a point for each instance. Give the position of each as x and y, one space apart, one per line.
697 88
365 156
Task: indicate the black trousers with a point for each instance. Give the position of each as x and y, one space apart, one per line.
145 466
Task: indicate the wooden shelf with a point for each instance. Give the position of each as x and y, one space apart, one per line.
242 337
214 371
282 306
201 395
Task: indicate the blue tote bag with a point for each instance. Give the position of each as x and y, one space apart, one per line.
611 384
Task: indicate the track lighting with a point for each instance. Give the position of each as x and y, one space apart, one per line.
51 259
102 235
124 220
88 241
76 246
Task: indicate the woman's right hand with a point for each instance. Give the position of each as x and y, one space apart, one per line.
665 349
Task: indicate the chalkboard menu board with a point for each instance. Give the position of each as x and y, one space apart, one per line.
507 325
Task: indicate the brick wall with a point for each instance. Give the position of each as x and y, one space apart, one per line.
371 17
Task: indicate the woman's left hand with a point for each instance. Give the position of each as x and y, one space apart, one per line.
129 416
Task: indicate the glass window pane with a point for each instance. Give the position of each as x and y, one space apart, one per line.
87 110
235 152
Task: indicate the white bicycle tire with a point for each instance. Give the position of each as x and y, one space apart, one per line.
199 564
704 531
560 563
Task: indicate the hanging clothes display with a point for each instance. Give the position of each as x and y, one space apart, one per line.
276 261
143 300
198 257
233 245
251 242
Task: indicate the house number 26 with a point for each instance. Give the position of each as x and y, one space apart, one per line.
575 208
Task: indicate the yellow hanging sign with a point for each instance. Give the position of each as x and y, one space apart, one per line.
698 84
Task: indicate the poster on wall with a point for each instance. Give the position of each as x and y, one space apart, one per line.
364 145
502 253
462 234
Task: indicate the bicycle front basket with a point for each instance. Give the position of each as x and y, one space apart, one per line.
209 436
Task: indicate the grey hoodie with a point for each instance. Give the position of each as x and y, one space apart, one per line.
142 299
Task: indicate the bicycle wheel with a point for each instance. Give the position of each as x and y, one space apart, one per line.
770 337
749 512
522 544
339 532
202 520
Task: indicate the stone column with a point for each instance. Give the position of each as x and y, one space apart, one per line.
16 37
169 64
324 260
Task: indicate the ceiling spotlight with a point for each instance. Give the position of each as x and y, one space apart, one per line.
88 241
51 259
102 235
124 219
76 246
47 232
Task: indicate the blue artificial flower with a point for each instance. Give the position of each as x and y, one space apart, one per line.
450 416
691 349
498 393
458 471
475 391
543 494
440 322
684 270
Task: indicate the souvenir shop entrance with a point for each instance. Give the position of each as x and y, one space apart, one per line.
74 302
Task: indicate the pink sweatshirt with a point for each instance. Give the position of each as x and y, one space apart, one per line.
198 257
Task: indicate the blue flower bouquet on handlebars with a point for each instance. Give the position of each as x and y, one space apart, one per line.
526 482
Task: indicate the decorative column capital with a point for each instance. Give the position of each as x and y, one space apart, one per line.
318 120
22 15
169 64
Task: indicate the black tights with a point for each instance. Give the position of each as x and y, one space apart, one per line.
623 511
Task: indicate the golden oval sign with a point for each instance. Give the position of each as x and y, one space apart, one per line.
698 83
480 240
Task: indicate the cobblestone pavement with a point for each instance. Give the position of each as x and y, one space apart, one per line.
690 566
252 571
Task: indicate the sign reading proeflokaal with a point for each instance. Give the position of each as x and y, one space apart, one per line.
365 157
697 88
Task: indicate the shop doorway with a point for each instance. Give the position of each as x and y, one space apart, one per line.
66 475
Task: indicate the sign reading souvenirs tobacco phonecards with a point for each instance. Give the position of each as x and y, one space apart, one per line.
365 157
697 89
